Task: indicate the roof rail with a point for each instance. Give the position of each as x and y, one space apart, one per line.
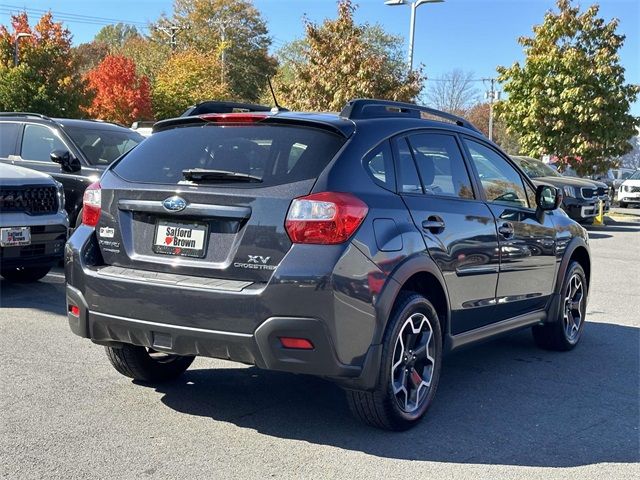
23 114
371 108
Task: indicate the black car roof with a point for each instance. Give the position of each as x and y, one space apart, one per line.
89 124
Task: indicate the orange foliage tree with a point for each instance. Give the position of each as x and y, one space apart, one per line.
120 95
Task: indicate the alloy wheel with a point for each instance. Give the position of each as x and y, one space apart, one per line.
413 363
574 307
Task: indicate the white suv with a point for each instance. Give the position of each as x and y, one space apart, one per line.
33 223
629 191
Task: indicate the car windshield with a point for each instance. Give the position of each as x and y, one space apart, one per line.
535 169
635 176
103 146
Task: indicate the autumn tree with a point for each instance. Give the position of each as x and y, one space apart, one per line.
188 77
232 28
455 92
47 79
120 94
570 99
339 62
478 115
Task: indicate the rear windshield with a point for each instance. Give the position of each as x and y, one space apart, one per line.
276 154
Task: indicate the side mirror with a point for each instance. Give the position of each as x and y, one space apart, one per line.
548 197
68 163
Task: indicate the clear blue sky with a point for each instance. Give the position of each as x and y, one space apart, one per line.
474 35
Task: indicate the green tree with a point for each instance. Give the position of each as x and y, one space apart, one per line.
47 79
570 99
340 60
88 55
115 36
187 78
232 28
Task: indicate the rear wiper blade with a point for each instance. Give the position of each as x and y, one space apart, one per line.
204 174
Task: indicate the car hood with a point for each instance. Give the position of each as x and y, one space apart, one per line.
17 176
570 181
631 183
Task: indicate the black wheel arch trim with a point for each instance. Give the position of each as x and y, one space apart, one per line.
418 263
555 303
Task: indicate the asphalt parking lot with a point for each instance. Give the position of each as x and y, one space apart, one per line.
504 410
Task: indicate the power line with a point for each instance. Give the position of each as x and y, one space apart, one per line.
69 17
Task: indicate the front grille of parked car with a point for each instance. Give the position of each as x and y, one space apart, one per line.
634 189
588 192
33 200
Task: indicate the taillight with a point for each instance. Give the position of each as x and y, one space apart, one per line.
325 218
91 204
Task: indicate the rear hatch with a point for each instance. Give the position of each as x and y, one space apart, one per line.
209 198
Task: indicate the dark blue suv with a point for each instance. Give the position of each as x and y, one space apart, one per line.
358 246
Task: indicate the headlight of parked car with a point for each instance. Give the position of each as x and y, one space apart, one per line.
569 191
624 188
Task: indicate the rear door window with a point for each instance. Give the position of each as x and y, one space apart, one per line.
441 166
276 154
8 137
409 182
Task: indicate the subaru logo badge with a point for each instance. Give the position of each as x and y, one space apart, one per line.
174 204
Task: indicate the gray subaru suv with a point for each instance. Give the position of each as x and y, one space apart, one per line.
359 247
33 223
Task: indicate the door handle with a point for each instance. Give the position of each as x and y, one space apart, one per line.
433 224
506 230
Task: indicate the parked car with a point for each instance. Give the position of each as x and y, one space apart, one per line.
74 152
359 247
619 175
629 191
33 224
214 106
580 195
143 127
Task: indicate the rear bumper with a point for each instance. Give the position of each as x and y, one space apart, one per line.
261 348
233 320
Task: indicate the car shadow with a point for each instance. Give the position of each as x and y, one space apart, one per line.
504 402
47 294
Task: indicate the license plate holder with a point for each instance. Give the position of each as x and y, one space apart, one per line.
180 239
15 236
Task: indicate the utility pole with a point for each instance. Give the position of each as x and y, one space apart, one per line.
492 95
172 32
222 25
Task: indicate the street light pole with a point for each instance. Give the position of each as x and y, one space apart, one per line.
15 50
414 6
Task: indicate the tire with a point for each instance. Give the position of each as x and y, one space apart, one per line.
382 408
564 333
147 365
25 274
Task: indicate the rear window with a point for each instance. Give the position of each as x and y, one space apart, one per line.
276 154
